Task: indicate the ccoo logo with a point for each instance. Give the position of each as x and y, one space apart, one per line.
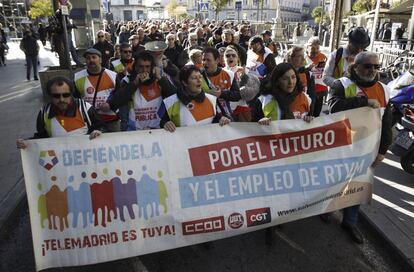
258 217
235 220
48 159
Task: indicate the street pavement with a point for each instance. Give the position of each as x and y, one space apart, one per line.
391 212
305 245
20 101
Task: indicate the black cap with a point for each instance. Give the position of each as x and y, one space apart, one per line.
92 51
266 32
359 37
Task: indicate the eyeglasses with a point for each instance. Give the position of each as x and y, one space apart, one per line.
230 56
371 65
126 51
59 95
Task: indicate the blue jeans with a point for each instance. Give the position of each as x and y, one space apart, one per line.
31 61
351 215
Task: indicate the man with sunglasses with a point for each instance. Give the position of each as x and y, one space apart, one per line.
125 63
65 115
105 47
123 67
359 89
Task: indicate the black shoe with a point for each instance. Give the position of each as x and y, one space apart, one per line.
326 218
269 236
36 78
354 233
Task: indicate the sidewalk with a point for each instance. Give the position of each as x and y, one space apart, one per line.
20 101
391 212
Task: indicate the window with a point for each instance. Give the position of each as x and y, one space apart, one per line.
126 2
127 15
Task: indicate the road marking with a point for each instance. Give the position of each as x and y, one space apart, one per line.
288 240
397 186
392 205
10 96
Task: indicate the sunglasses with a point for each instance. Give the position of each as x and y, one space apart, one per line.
126 51
370 66
231 56
59 95
101 36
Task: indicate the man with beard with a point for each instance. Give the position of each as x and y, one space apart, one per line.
340 59
359 89
65 115
143 91
105 47
167 68
95 84
227 39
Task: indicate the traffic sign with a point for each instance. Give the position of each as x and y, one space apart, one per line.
203 6
238 5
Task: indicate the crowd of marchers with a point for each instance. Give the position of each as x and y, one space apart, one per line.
169 74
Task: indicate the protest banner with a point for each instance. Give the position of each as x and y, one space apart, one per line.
133 193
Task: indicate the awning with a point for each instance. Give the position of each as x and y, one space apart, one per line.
404 8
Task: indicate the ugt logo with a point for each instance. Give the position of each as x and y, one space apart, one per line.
48 159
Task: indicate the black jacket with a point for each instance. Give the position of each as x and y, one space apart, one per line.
337 102
107 51
29 45
126 90
174 54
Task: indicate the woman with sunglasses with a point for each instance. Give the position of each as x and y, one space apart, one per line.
362 88
249 85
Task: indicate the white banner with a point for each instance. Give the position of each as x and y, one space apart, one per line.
132 193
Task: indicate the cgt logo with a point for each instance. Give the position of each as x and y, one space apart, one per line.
204 225
236 220
258 217
48 159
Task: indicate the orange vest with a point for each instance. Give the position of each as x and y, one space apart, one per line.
375 92
300 105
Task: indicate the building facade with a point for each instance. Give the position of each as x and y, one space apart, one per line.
250 10
128 10
253 10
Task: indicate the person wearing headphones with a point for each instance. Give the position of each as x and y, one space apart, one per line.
340 59
65 115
